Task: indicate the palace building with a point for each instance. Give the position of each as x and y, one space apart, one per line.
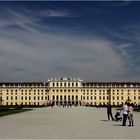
69 91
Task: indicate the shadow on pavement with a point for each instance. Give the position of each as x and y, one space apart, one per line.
117 124
104 120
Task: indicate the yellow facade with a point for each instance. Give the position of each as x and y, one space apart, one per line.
116 93
69 91
24 93
65 91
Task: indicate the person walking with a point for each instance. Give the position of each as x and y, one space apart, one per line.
109 112
125 114
130 115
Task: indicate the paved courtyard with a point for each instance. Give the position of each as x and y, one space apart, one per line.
66 123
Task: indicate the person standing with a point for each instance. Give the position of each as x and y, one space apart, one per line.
125 114
130 115
109 112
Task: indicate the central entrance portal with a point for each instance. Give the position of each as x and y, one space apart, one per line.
66 103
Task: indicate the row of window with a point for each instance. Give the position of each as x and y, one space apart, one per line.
23 103
25 85
71 90
107 93
108 90
65 97
95 93
27 93
27 90
66 90
68 97
106 98
95 98
109 85
104 103
27 98
65 84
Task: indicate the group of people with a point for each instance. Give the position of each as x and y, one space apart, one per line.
127 114
64 105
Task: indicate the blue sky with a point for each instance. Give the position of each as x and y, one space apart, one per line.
96 41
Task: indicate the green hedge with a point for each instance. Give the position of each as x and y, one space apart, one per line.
8 111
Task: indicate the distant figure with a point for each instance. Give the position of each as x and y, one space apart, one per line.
118 116
130 115
125 114
109 112
52 104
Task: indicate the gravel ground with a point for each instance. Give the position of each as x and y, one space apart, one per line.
66 123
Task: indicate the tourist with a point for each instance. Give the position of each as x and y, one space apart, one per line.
118 116
109 112
130 115
125 114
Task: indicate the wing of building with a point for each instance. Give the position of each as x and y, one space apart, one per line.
69 91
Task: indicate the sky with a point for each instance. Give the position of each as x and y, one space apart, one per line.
93 41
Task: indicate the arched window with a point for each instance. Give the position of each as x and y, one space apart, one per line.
57 84
65 98
76 97
72 97
53 97
57 97
53 84
72 84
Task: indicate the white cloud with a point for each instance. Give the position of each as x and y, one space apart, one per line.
47 55
54 13
32 54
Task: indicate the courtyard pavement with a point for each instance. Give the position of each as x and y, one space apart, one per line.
66 123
